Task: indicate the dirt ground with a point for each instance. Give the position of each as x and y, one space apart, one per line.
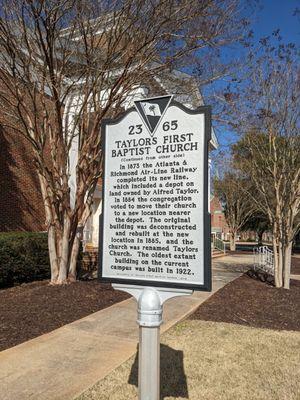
250 302
33 309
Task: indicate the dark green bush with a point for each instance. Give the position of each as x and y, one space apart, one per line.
23 258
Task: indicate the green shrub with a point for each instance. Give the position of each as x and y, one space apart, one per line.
23 258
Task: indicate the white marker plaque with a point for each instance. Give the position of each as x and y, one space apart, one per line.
155 225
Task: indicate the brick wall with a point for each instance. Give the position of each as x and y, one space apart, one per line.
218 222
21 205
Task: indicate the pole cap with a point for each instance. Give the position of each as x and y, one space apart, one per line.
149 308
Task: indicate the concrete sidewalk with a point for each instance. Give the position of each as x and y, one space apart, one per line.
64 363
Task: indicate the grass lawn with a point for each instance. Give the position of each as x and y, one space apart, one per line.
215 361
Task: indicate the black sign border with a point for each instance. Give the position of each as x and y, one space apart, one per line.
207 286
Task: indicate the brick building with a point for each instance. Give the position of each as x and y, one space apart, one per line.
21 205
219 227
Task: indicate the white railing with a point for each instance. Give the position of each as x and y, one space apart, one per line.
219 245
264 259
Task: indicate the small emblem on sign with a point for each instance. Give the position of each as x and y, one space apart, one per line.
152 111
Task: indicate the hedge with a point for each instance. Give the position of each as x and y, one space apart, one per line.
23 258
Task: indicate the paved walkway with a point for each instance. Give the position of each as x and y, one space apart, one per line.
62 364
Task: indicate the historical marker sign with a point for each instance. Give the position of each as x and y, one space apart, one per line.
155 223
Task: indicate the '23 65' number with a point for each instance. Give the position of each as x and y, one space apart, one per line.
168 125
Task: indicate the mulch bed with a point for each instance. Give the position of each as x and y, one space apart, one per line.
250 302
36 308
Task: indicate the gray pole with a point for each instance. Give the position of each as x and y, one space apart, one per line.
150 307
149 364
149 320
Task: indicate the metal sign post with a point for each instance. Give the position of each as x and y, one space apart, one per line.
155 226
150 309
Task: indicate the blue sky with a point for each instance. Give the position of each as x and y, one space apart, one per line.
278 14
272 15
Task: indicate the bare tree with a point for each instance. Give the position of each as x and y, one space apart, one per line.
230 190
258 223
269 152
93 54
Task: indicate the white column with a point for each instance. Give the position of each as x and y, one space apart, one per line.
209 186
70 112
97 208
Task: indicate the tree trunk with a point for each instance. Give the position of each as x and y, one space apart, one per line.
280 265
53 254
260 238
73 260
277 268
64 253
287 265
232 241
64 246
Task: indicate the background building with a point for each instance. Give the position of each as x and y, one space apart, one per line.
219 227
